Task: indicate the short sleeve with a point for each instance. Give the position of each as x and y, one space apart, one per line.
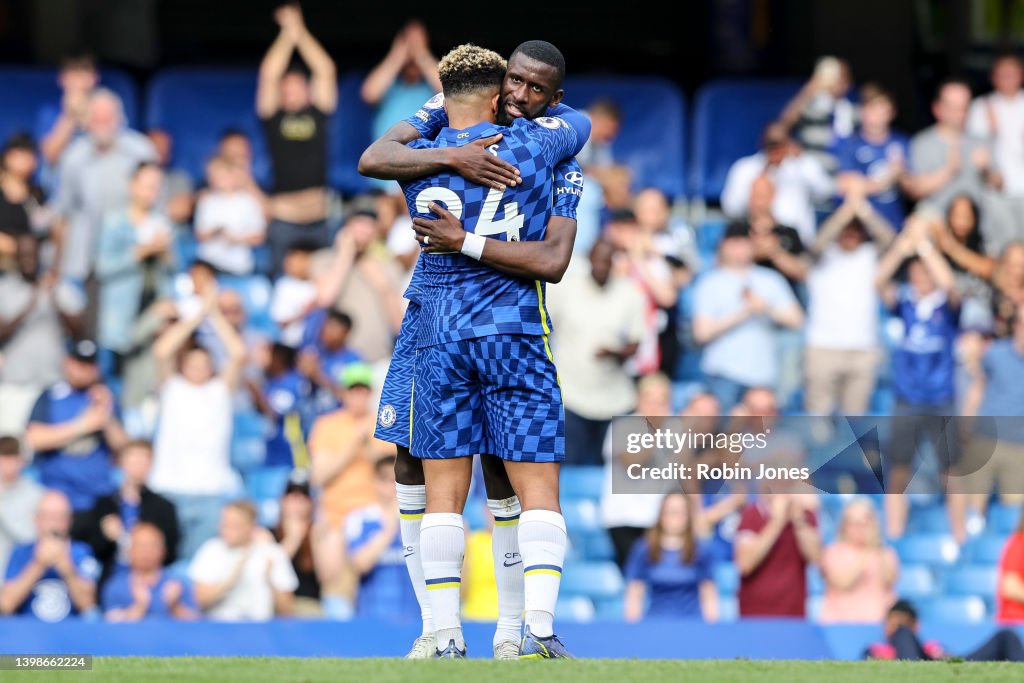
703 298
87 566
41 409
579 122
750 520
567 188
638 564
206 566
557 138
430 118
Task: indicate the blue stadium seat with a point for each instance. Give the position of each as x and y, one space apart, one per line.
709 234
729 116
349 134
954 609
598 547
916 582
266 483
576 608
594 579
255 291
971 580
24 90
932 519
581 516
728 608
727 578
931 549
269 512
652 140
985 549
248 441
812 605
815 582
611 609
584 482
1003 519
475 514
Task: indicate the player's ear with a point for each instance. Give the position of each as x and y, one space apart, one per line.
494 103
556 98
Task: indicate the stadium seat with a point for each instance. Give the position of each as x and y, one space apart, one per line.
728 608
575 609
266 483
915 582
594 579
24 90
813 607
729 116
248 441
1003 519
255 291
971 580
709 234
931 549
727 578
610 609
598 547
581 516
985 549
954 609
932 519
350 133
581 482
652 139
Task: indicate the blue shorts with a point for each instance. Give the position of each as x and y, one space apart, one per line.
394 423
497 394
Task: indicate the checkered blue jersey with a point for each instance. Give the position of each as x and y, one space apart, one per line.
462 298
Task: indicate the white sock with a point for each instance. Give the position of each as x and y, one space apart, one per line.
412 503
542 543
443 543
508 568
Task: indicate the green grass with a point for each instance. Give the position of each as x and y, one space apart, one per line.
286 670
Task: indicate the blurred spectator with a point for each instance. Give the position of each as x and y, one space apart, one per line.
322 363
176 196
996 447
669 568
19 496
143 589
842 352
192 453
923 364
376 552
294 110
873 160
35 314
133 260
342 449
229 220
1007 288
295 294
236 146
21 201
242 575
600 318
294 533
116 516
95 171
776 247
280 398
74 430
821 114
799 179
999 118
859 570
644 263
960 242
902 642
53 577
60 124
598 158
776 540
1010 581
140 383
405 79
627 516
362 279
737 307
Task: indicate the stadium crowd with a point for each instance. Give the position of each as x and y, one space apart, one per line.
165 341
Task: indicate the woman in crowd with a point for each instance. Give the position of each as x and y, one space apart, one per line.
960 242
1008 288
294 533
669 566
859 570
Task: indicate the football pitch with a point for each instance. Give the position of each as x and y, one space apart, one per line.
294 670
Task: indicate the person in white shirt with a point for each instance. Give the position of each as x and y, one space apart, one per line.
800 182
192 450
295 294
243 575
229 220
842 312
999 118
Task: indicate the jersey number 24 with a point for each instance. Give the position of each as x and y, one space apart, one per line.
486 224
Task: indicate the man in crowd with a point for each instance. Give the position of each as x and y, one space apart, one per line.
53 577
999 118
58 125
19 497
142 588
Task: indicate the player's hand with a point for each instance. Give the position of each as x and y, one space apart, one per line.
474 163
445 232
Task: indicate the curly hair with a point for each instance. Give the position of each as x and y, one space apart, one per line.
469 68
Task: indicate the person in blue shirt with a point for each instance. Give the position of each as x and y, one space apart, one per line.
669 569
281 399
325 355
52 578
75 430
923 363
375 551
873 160
144 589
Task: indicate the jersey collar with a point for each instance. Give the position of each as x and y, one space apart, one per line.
457 138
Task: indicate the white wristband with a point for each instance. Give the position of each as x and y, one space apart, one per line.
473 245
